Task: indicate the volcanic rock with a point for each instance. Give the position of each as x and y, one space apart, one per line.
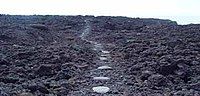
44 70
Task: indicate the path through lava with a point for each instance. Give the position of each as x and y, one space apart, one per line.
105 78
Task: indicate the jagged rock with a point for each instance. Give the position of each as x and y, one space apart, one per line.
44 70
61 91
64 74
195 86
145 74
23 55
2 93
41 88
25 94
157 80
134 44
8 79
39 26
167 69
4 62
195 63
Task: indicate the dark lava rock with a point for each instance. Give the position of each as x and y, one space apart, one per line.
4 37
64 74
39 26
145 75
157 80
25 94
184 75
4 62
44 70
8 79
23 55
33 88
3 93
160 46
62 91
135 69
195 63
195 86
168 69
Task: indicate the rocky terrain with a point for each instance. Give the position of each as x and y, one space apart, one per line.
61 56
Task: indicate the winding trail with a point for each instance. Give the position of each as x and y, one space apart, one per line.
105 79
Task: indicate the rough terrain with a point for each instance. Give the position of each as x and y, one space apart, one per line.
65 56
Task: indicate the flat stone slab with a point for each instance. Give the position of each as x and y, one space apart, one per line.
106 52
101 78
104 67
105 55
101 89
103 58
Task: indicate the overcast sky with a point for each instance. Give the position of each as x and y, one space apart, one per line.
182 11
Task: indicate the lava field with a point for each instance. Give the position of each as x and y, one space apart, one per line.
46 55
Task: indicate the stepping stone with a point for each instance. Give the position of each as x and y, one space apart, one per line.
98 44
101 78
104 67
106 52
104 55
95 43
103 58
101 89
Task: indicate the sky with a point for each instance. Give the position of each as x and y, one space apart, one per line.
182 11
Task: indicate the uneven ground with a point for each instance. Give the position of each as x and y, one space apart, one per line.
60 55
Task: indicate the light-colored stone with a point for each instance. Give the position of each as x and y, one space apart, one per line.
101 78
105 55
106 52
101 89
98 44
103 58
104 67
